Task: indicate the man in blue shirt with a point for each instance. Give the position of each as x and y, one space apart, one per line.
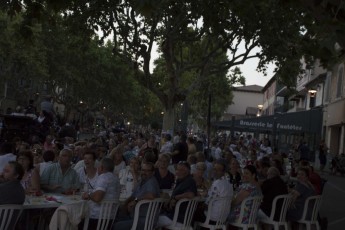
147 189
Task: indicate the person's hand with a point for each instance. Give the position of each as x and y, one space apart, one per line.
85 196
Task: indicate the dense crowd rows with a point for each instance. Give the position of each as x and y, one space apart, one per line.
142 166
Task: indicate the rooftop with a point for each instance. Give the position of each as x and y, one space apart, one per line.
249 88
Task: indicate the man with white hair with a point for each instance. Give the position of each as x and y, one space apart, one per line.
60 177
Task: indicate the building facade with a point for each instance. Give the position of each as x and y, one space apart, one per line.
245 102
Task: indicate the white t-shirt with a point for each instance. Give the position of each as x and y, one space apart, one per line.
109 184
84 179
127 181
167 147
219 188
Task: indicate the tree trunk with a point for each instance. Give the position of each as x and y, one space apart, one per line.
169 120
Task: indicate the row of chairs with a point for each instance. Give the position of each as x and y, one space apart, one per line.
277 220
9 214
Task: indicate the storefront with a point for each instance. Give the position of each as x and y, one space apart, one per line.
283 129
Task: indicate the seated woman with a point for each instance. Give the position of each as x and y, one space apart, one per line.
302 190
117 156
248 188
164 177
202 184
31 178
88 175
129 176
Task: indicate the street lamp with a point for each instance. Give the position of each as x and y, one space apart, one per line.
312 92
260 107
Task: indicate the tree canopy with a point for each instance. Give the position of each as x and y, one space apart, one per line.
192 37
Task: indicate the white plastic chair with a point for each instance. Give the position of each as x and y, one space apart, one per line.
66 213
187 221
285 202
312 204
253 212
106 216
153 210
9 215
224 213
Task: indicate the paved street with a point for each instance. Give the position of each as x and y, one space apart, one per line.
333 203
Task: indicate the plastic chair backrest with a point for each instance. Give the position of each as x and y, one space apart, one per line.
280 204
152 208
106 216
189 213
224 210
312 204
250 204
9 215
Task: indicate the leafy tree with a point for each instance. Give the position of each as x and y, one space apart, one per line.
283 30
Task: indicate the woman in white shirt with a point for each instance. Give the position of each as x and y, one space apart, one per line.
88 174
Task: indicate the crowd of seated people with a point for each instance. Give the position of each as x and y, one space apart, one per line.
142 168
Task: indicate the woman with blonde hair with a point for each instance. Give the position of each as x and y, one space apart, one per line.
117 156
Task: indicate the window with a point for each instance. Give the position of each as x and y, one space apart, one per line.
340 81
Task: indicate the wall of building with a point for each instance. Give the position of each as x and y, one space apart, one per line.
242 100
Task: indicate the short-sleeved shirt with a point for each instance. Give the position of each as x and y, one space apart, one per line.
219 188
165 182
53 176
144 187
108 183
83 179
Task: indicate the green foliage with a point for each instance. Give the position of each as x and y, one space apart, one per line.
193 37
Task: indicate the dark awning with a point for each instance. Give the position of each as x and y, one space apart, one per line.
303 121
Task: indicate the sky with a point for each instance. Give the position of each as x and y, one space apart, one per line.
248 69
252 76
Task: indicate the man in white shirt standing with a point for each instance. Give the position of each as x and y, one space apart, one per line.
220 187
265 149
107 188
6 155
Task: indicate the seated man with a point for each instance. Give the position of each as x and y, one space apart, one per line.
220 187
60 177
273 186
185 188
107 187
12 192
147 189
